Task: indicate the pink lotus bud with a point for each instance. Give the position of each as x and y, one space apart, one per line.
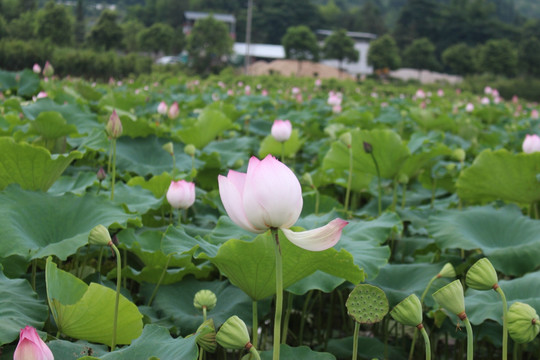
114 126
230 92
420 94
31 347
318 82
162 108
531 144
281 130
101 174
485 100
334 98
515 99
495 93
174 111
247 90
36 68
295 90
221 84
488 90
41 95
469 107
534 114
181 194
440 93
48 70
264 92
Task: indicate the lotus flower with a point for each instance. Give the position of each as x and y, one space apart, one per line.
31 347
114 126
534 114
36 68
181 194
48 70
281 130
531 144
420 94
334 98
488 90
162 108
485 100
440 92
469 107
269 196
174 111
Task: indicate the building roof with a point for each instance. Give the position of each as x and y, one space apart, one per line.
195 15
268 51
353 34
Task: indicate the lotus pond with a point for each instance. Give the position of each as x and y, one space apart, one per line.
110 256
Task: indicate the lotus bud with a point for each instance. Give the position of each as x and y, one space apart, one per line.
459 155
233 334
99 235
403 179
36 68
31 346
162 108
368 148
482 276
205 299
531 144
114 126
346 138
447 271
523 322
174 111
181 194
307 179
281 130
101 174
206 336
169 147
190 149
451 298
238 163
408 312
48 70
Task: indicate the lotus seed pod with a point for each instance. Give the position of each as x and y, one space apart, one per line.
459 155
190 149
206 336
346 138
408 312
205 298
99 235
403 179
233 334
169 147
482 275
447 271
523 322
450 297
367 304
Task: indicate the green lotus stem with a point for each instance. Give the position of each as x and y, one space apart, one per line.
283 152
253 351
113 168
379 186
355 340
173 165
515 352
117 299
286 319
349 180
204 313
304 315
162 276
505 324
317 201
34 269
470 339
415 335
427 288
394 196
99 261
255 324
279 294
427 343
110 157
404 196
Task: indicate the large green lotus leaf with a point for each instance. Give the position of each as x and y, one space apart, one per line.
175 302
501 175
232 150
87 91
28 83
508 238
123 100
51 125
86 312
424 159
76 184
82 118
96 140
225 230
7 80
401 280
287 352
317 281
484 305
157 184
31 167
205 128
36 224
368 348
67 350
135 198
19 306
145 156
355 117
290 147
251 265
388 149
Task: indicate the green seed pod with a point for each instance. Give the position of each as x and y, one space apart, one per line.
408 312
451 297
206 336
459 155
169 147
447 271
346 138
482 275
367 304
205 298
99 235
523 323
190 149
233 334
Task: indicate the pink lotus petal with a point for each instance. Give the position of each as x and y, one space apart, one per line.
317 239
231 189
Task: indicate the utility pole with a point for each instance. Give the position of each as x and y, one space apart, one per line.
248 35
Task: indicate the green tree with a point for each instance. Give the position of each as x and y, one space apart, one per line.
383 53
420 55
55 22
460 59
23 27
417 19
131 30
330 14
341 47
209 45
300 44
171 12
3 28
370 19
106 33
80 25
498 57
529 56
26 5
156 38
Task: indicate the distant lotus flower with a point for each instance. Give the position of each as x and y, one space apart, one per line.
295 90
174 111
119 83
240 84
36 68
374 95
497 100
111 80
270 196
420 94
264 92
259 86
230 92
495 93
336 109
162 108
334 98
41 95
469 107
114 126
318 82
31 347
281 130
423 104
221 84
299 98
488 90
458 91
215 96
485 101
48 70
534 114
515 99
440 93
531 144
247 90
181 194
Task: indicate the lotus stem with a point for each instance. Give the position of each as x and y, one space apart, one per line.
404 196
113 168
379 186
117 299
279 294
505 323
349 180
34 269
162 276
255 324
290 297
283 152
470 339
253 351
415 335
426 341
355 340
304 315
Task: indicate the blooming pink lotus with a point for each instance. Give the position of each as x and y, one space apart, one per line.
31 347
534 114
269 196
162 108
281 130
531 144
181 194
36 68
174 111
469 107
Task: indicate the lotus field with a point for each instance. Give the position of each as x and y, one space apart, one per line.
167 217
